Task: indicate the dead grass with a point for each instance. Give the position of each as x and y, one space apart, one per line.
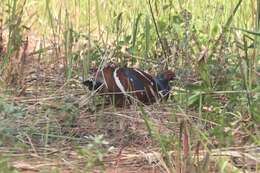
60 117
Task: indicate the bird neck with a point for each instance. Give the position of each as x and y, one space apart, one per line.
161 82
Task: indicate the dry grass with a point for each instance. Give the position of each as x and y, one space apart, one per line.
133 148
50 123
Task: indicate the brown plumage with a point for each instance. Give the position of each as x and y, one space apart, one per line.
127 84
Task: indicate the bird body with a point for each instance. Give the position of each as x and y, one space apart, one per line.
123 83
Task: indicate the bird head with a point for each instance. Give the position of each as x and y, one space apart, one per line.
162 82
169 75
166 75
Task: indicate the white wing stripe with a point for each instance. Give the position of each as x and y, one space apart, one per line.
118 83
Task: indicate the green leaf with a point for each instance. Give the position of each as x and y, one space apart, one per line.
177 19
247 31
194 98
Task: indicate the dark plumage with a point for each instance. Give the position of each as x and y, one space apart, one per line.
162 81
92 84
125 83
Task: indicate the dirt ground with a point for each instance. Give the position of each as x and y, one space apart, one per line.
50 99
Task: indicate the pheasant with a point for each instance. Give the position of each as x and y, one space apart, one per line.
125 84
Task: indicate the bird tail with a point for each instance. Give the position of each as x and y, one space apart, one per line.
92 84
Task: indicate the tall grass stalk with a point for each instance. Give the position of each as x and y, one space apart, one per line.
100 34
245 68
53 26
147 37
1 33
47 130
225 27
135 30
68 45
14 22
157 29
256 43
86 59
14 36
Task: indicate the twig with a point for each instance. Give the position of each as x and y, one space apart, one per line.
156 28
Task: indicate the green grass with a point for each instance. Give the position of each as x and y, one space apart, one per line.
212 45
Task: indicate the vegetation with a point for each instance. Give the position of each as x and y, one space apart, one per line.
50 123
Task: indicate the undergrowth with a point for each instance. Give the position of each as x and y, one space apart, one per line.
45 46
